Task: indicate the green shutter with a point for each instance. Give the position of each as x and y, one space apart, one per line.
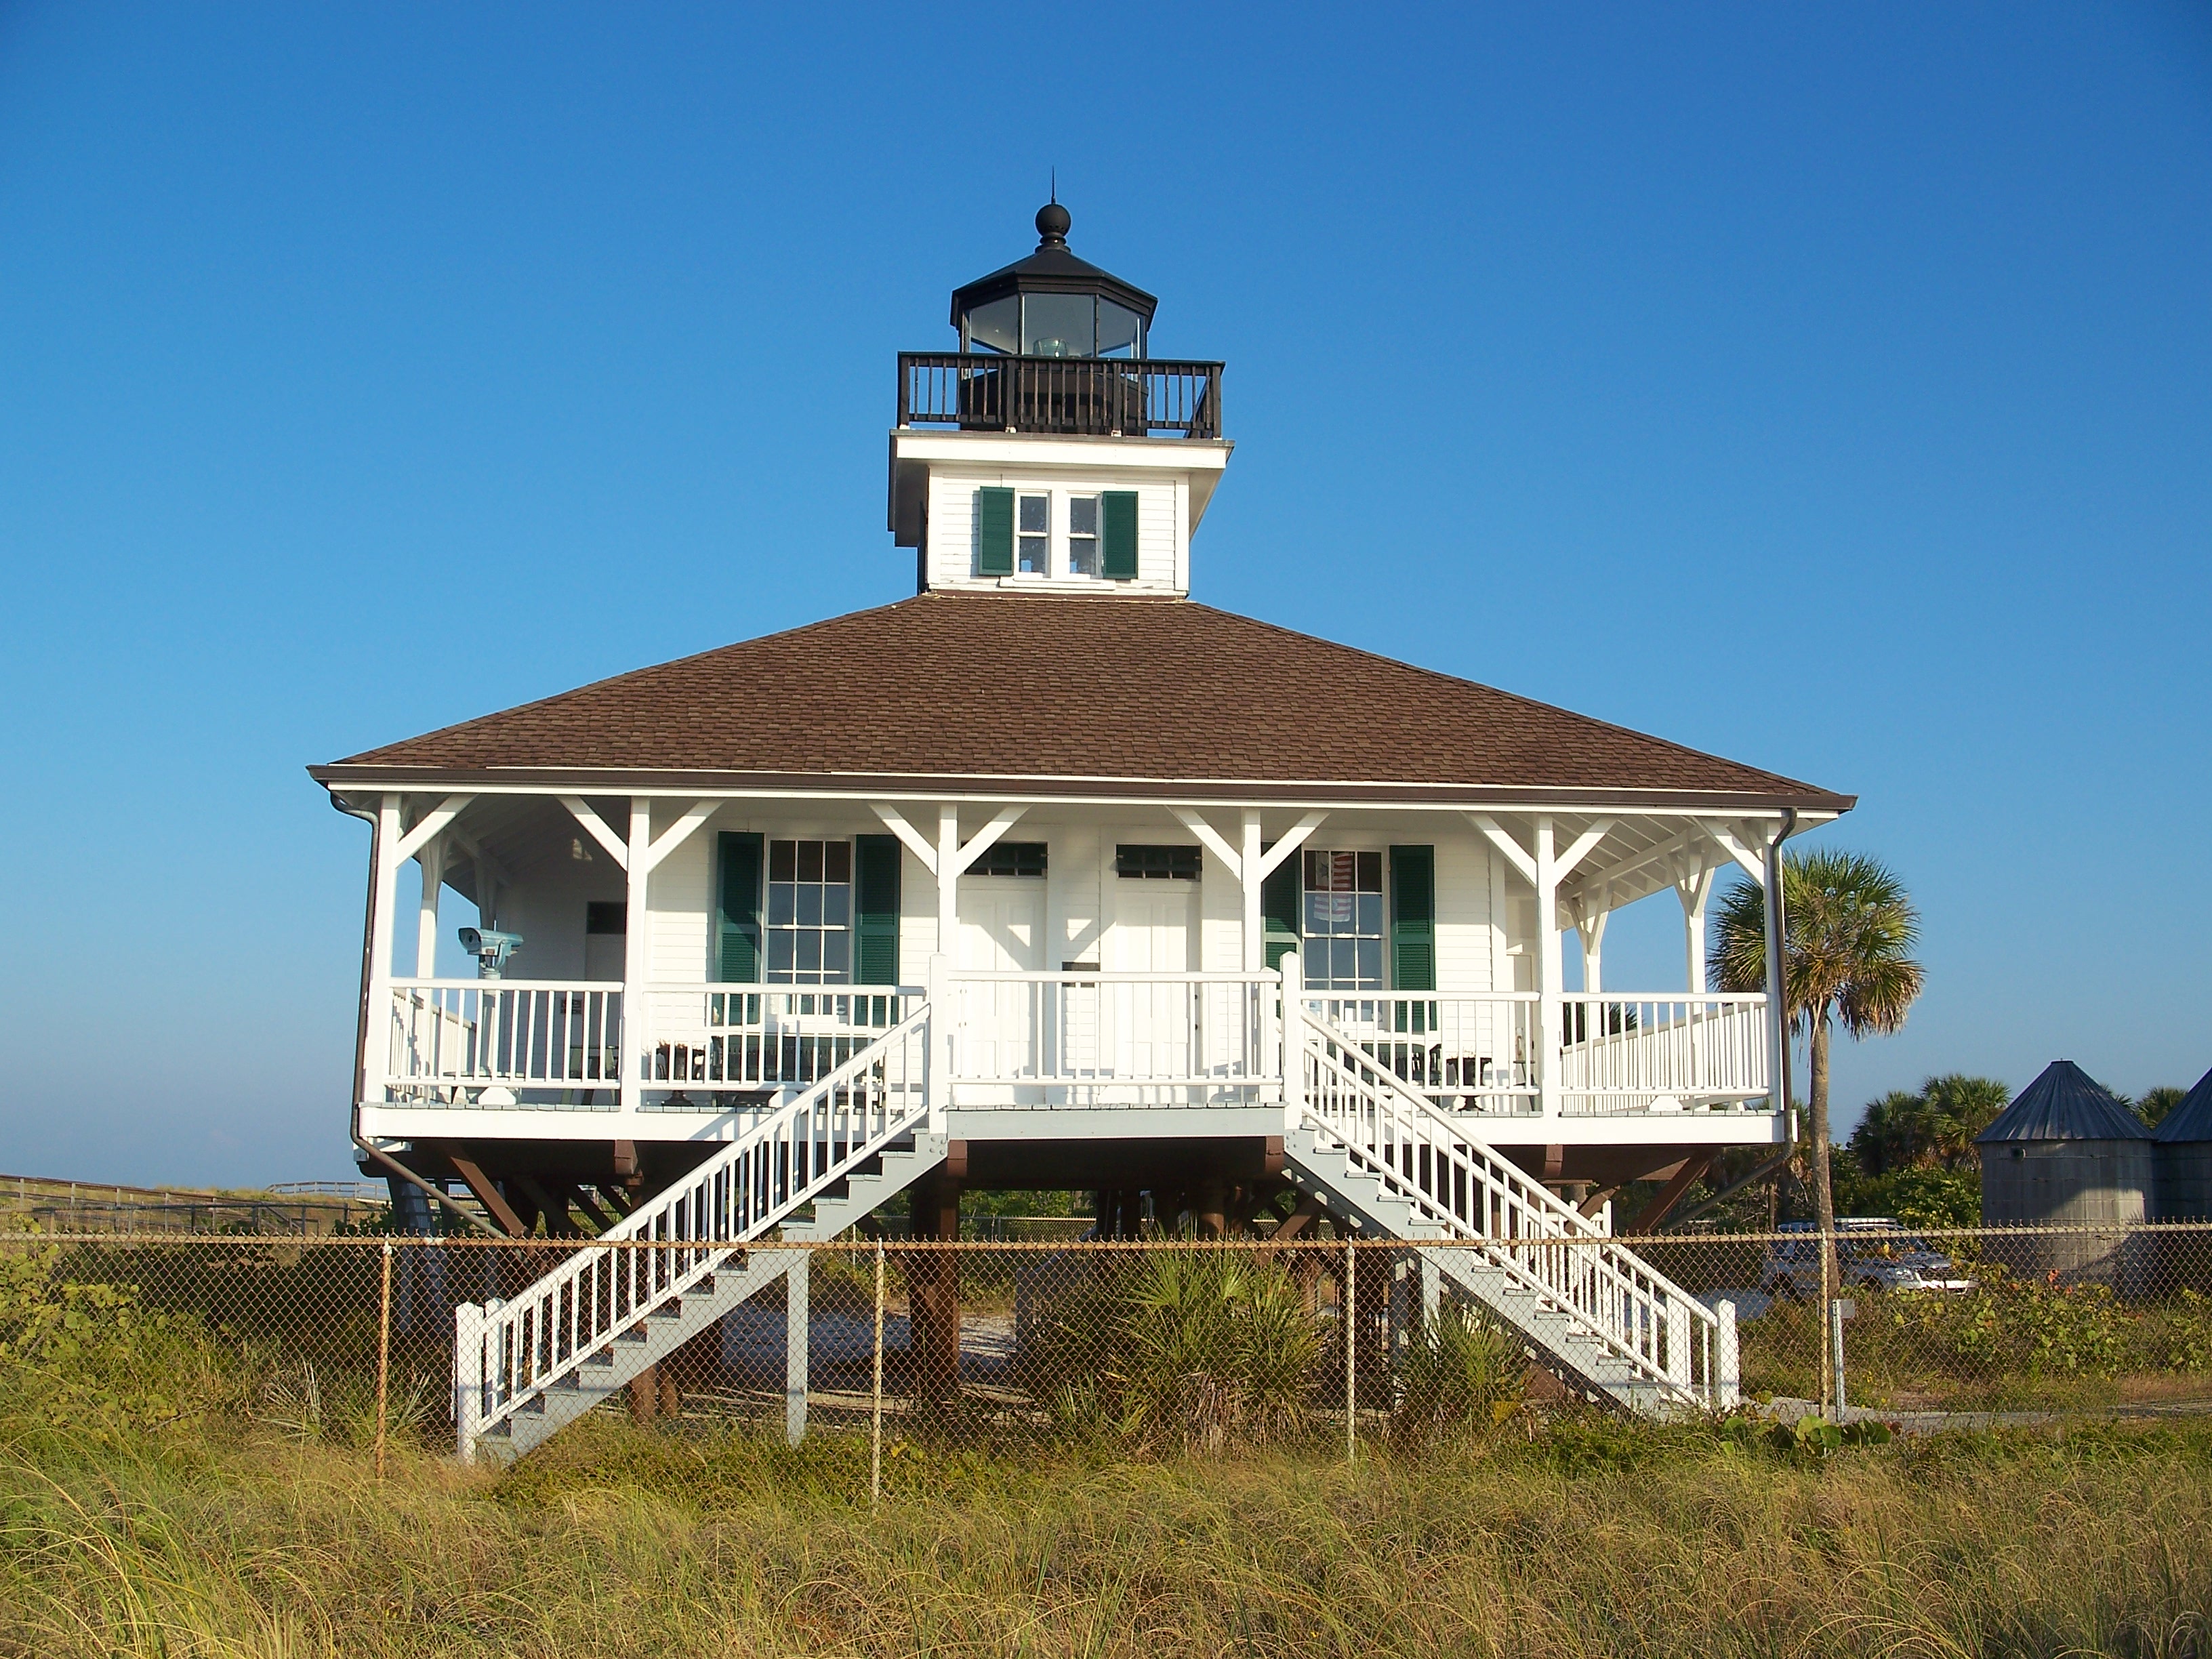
1412 918
738 913
1279 906
1117 528
875 910
995 533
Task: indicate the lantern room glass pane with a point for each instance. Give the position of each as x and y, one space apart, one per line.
1059 324
1120 332
996 326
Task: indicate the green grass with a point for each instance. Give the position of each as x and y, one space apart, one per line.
1573 1537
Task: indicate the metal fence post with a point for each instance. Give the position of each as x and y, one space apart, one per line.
1350 1378
876 1410
1838 1311
383 1355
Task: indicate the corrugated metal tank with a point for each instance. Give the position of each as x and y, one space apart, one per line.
2184 1154
2066 1152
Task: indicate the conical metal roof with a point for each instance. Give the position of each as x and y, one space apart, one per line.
2192 1119
2064 1103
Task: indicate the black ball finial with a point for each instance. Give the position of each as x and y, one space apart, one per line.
1052 223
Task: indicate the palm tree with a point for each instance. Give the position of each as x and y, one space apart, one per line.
1848 934
1959 1109
2157 1103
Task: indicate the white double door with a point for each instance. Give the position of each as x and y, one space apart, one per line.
1013 1030
1001 931
1149 1030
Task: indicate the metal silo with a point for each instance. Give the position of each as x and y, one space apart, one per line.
2065 1152
2183 1157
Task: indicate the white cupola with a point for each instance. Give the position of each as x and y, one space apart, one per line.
1052 453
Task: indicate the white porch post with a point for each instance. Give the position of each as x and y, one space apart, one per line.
1294 1040
1550 968
1777 1022
636 1024
1693 890
1248 871
384 879
432 859
936 1066
1591 927
948 880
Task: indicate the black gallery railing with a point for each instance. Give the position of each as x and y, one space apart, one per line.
1087 397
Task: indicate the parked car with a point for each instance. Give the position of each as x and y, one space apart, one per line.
1873 1253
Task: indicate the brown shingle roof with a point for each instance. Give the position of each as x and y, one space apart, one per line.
999 685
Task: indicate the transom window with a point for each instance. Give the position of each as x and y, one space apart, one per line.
809 912
1033 546
1010 857
1343 921
1158 863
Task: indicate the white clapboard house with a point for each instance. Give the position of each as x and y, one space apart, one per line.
1051 876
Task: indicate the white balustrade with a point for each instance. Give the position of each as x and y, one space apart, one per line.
675 1240
452 1039
707 1041
1115 1039
1634 1052
1471 1053
1501 1216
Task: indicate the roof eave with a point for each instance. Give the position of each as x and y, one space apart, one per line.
340 776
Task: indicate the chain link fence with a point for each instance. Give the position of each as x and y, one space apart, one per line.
1153 1347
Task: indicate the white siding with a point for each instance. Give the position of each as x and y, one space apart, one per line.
1463 929
1221 906
951 526
680 908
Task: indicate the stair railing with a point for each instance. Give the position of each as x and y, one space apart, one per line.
505 1352
1516 1224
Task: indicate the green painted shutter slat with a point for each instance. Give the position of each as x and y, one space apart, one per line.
875 910
1412 918
995 533
737 908
1279 907
1117 528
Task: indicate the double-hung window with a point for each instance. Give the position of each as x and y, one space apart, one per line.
1342 921
1033 548
808 925
1083 535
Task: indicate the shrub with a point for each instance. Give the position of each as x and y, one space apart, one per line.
1192 1349
1461 1374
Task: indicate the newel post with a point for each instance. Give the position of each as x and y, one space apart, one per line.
468 1378
936 1077
1294 1040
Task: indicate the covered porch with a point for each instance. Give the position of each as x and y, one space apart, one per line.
1103 1008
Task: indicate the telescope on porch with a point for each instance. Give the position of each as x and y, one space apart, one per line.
491 948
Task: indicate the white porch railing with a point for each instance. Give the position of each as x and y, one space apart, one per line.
505 1351
1469 1053
1529 1238
1621 1053
1070 1039
451 1034
1115 1039
710 1041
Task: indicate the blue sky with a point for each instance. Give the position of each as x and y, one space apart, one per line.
1827 386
